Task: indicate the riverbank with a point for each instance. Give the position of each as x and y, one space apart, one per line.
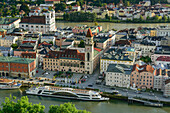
108 26
118 21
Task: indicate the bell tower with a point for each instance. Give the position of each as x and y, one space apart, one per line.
89 52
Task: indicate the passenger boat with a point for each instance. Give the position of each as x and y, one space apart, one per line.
9 84
66 93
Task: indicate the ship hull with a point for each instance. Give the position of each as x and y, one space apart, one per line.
72 98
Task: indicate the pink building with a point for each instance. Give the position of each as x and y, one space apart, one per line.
142 76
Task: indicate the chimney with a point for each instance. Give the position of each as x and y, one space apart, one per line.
166 71
160 71
155 72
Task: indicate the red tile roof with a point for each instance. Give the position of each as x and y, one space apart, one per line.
34 20
163 58
143 68
44 43
97 49
28 55
23 42
89 33
67 53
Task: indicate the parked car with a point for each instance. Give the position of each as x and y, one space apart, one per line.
112 88
90 85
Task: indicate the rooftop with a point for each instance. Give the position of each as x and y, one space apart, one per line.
119 68
16 60
6 21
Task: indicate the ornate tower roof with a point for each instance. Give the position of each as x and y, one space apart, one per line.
89 33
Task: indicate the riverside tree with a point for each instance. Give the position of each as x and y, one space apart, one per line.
11 105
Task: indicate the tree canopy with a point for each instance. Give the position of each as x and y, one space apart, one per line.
11 105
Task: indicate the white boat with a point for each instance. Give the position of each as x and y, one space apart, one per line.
67 93
9 84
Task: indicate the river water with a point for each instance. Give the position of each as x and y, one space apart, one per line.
108 26
113 106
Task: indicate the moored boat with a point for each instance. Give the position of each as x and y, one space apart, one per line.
9 84
67 93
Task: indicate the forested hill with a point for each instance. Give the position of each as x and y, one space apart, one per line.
99 2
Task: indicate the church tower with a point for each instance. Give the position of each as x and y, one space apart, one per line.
89 52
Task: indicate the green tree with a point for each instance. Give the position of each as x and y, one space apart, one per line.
82 44
156 17
21 106
96 24
51 43
70 7
106 16
165 18
50 8
25 8
65 108
61 7
141 17
14 46
78 3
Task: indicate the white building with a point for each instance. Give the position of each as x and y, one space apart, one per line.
9 24
163 31
160 55
117 56
48 39
6 50
7 41
160 76
167 88
76 7
118 75
41 22
146 48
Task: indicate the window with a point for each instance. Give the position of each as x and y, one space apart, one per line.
41 26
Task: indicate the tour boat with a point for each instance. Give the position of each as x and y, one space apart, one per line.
66 93
9 84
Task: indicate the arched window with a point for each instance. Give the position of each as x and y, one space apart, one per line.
88 56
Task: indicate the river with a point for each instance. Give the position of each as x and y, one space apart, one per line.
108 26
113 106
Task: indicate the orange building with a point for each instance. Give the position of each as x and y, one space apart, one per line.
142 76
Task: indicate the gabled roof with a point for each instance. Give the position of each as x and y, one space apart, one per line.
89 33
143 68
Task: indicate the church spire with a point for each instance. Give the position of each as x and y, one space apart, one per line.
89 33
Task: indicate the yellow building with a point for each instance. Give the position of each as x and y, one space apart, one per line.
72 59
153 32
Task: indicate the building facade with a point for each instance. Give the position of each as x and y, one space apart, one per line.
7 41
17 67
9 24
142 76
74 60
117 56
37 22
118 75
